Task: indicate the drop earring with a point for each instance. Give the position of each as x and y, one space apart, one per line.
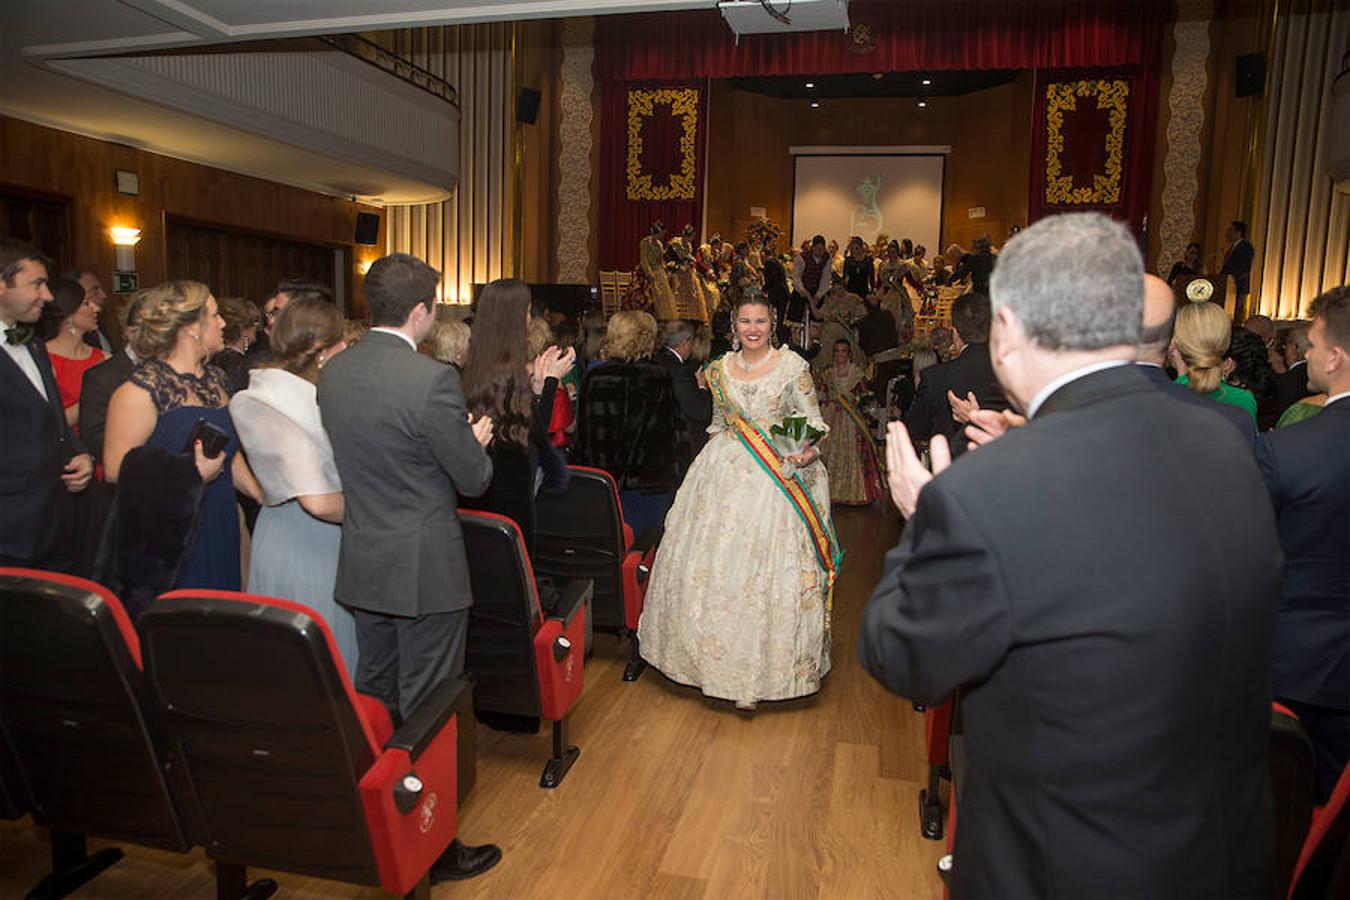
736 343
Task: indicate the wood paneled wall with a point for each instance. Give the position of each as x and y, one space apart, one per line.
989 132
82 170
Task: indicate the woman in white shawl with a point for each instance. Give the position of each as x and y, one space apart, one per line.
296 539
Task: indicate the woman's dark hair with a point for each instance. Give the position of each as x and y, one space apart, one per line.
67 296
907 247
239 315
495 380
303 330
751 298
1251 364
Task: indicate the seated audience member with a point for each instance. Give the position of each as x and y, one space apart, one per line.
64 323
1291 385
517 393
1199 343
970 372
241 330
106 377
40 457
1307 470
1247 366
448 342
299 531
1098 665
153 430
677 356
1155 338
95 295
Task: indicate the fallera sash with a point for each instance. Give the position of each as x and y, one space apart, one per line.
845 402
823 541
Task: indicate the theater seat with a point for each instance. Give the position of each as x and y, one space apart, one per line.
1293 779
1323 860
84 750
287 766
526 664
580 533
937 721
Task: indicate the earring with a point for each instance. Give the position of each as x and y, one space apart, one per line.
736 343
322 359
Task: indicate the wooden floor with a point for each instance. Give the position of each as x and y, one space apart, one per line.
674 796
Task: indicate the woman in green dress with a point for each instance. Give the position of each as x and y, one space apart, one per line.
1202 336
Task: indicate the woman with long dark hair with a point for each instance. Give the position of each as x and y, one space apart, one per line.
502 382
64 323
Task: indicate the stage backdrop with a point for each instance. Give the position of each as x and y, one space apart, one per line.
651 159
867 195
1092 143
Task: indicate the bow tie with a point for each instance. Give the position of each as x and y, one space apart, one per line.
19 333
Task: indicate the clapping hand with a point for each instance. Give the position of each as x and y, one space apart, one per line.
961 409
905 474
987 426
552 363
77 473
482 429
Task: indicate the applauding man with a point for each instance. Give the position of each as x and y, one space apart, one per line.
1061 578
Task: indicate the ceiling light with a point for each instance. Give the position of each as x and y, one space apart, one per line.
810 84
926 82
815 104
923 104
878 76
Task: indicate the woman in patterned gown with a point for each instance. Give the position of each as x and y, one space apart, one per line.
738 604
850 455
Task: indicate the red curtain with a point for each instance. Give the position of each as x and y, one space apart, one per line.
890 36
1092 143
651 164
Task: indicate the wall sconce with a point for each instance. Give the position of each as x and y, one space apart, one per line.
365 266
125 241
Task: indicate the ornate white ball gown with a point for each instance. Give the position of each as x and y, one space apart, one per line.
737 604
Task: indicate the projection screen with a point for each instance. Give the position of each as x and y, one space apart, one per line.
841 195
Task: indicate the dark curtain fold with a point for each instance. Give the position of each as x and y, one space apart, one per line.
1071 143
658 183
888 35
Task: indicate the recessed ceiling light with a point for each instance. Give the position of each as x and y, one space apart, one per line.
878 76
810 84
815 104
923 104
926 82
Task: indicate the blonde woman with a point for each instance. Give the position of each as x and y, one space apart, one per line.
1199 345
160 405
448 342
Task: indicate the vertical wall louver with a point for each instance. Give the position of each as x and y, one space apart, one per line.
467 237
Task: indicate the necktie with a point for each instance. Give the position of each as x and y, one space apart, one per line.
19 333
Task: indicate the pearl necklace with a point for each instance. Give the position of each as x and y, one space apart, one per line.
751 367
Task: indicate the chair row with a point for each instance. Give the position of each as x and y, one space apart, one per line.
242 733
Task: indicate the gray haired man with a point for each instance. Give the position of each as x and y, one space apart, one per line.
1112 656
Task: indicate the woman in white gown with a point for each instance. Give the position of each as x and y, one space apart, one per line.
738 603
298 533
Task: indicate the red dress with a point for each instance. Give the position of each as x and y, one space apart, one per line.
70 374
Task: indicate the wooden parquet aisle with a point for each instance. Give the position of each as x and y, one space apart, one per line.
673 797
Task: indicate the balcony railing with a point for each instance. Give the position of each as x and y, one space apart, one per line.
395 65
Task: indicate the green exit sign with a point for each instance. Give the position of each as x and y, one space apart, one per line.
125 282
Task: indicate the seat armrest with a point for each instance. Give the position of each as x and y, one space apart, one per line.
575 594
421 728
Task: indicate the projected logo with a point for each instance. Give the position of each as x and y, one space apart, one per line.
866 218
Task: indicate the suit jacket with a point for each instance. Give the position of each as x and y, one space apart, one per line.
37 445
405 453
1291 387
1103 583
96 390
1307 470
1227 411
695 405
1238 263
931 413
630 426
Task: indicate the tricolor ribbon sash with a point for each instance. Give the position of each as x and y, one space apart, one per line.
823 541
845 402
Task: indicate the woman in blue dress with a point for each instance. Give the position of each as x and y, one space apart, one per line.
160 404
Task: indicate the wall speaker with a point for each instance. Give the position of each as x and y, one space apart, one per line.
1251 74
527 106
367 228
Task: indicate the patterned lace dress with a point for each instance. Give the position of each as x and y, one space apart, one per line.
737 602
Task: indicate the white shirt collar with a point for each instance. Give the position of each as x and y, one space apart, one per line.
407 340
1301 362
1044 393
132 354
677 354
1341 396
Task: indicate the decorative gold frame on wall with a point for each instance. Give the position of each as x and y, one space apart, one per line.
642 103
1062 96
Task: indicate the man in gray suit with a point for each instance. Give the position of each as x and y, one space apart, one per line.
405 451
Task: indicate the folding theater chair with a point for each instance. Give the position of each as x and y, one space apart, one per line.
937 722
1293 779
85 751
286 766
580 533
525 663
1323 868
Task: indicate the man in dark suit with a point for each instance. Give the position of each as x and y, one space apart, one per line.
1291 385
405 451
1307 469
260 353
691 392
1116 739
1160 320
970 373
1237 262
99 382
977 265
39 455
